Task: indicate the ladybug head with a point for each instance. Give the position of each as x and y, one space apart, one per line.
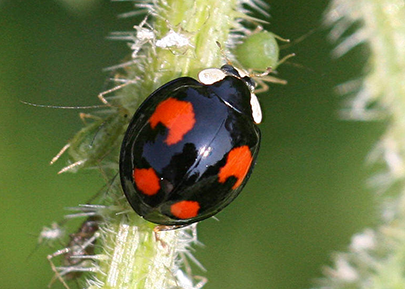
210 76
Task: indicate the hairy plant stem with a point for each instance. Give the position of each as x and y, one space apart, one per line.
376 257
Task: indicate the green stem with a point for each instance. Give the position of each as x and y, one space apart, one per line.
376 257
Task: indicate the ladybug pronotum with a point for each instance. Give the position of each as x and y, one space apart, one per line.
191 146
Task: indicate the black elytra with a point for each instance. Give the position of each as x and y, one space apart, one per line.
190 148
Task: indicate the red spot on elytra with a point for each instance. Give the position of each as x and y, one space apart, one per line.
237 164
177 115
185 209
146 181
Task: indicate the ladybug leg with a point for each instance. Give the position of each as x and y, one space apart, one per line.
161 228
263 86
261 78
262 83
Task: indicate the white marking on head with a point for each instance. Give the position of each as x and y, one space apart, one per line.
241 72
211 75
256 109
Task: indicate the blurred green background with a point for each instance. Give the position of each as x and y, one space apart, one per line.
305 199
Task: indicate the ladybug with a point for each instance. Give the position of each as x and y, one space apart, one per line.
191 146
